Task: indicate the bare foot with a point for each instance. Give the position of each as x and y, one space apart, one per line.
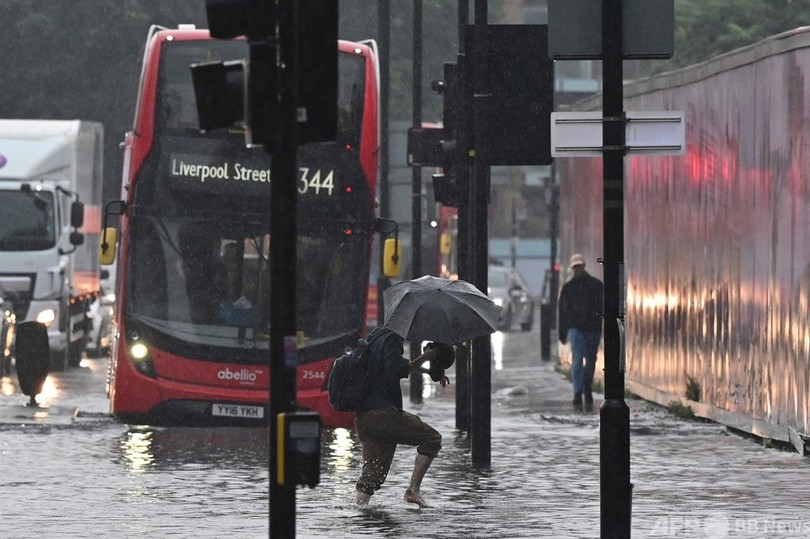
415 497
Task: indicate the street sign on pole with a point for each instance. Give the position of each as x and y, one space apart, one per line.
575 29
579 134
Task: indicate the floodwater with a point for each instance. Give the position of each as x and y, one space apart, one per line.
95 477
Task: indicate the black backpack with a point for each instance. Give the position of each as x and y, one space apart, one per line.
349 382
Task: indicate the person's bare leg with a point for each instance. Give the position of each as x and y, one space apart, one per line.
420 467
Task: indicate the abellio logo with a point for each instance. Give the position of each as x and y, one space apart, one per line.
243 376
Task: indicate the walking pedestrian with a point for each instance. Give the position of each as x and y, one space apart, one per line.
381 422
580 323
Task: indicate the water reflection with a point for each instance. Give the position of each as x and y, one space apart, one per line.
381 521
136 448
497 349
51 391
339 444
143 449
8 386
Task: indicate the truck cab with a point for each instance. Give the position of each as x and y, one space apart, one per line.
50 197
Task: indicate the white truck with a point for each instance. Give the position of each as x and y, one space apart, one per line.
51 178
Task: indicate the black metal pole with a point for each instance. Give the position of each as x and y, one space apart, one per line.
283 232
614 432
481 365
548 311
464 212
513 243
554 232
416 192
384 50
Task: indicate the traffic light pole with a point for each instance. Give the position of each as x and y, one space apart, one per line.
462 171
614 415
283 234
416 383
481 364
384 47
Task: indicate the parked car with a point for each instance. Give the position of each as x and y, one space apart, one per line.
508 289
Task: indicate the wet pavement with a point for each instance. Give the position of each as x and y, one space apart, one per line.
691 479
71 471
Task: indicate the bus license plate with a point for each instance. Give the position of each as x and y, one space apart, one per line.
237 410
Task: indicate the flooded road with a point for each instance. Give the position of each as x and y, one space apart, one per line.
90 476
105 480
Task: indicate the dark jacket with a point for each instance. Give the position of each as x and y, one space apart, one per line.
388 366
581 304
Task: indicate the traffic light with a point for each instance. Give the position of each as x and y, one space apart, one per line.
261 105
317 70
242 93
219 92
449 150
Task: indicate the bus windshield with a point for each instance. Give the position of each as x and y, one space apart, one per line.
206 281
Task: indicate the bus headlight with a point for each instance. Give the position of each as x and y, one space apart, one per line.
140 356
139 351
46 317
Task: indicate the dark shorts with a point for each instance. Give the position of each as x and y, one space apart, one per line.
380 431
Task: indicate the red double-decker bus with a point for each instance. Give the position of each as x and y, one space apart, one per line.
191 337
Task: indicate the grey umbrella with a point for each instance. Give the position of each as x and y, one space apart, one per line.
441 310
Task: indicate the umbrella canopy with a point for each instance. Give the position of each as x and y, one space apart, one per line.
441 310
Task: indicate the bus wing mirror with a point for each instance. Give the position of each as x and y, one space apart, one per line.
392 254
108 240
107 245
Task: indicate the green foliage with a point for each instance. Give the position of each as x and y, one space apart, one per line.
707 28
678 409
692 389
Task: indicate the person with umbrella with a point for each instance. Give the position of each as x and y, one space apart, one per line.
443 311
382 423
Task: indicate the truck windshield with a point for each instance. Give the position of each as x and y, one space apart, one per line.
28 221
